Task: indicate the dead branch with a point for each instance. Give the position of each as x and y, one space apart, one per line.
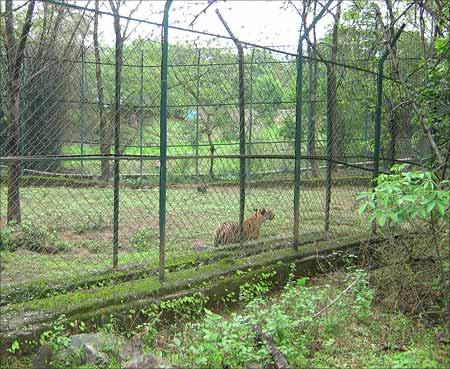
278 358
124 34
210 2
16 9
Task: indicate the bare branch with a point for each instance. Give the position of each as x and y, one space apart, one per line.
409 94
279 359
16 9
210 2
124 34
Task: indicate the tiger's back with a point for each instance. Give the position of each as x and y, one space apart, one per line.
229 232
226 233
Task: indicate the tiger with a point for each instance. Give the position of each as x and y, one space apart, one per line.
229 232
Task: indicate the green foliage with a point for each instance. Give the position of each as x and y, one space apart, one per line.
29 236
403 197
188 307
56 336
15 346
435 97
217 342
25 235
143 239
253 290
349 332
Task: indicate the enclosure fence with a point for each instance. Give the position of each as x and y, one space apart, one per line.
131 154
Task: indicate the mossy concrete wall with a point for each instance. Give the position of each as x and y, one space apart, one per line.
26 320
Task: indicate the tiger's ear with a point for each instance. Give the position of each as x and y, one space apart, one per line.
263 211
255 209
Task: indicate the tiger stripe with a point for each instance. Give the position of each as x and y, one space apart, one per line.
229 232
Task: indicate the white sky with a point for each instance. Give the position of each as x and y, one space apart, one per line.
270 23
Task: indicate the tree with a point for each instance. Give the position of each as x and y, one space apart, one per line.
15 54
332 87
104 129
215 86
312 96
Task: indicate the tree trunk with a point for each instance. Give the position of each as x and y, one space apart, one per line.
312 72
212 150
332 90
15 53
14 170
105 142
312 79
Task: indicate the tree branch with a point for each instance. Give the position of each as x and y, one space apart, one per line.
279 359
210 2
408 94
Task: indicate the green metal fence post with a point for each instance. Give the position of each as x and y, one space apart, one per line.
329 166
82 122
366 133
298 123
250 122
117 154
163 143
242 160
22 110
141 115
376 153
298 142
197 130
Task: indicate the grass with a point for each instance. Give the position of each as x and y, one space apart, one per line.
82 220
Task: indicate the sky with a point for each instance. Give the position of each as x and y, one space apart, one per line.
270 23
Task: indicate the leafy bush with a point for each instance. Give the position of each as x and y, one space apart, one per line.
25 235
403 197
416 275
30 237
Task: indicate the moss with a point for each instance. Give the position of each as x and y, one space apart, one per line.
80 301
213 281
36 289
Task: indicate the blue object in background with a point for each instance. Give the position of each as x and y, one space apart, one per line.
190 115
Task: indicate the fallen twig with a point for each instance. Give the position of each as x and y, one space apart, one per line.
279 359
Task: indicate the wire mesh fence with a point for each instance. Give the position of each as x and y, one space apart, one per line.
88 193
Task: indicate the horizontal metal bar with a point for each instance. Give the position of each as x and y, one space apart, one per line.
193 65
146 107
192 157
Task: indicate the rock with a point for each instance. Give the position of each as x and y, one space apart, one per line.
92 356
96 346
43 358
146 362
252 366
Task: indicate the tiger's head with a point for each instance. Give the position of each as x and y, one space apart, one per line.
266 214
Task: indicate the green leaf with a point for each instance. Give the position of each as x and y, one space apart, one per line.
382 219
430 206
362 208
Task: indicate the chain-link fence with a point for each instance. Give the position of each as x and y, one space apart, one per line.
83 187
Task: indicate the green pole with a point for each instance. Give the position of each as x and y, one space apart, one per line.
250 121
329 167
298 124
22 107
82 122
242 160
163 143
366 133
117 154
141 115
197 131
376 153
